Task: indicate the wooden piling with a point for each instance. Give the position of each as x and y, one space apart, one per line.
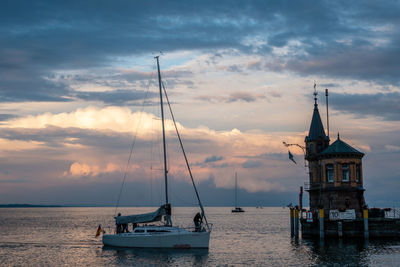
340 228
366 230
291 222
296 223
321 223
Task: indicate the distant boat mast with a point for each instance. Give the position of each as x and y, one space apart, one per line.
236 205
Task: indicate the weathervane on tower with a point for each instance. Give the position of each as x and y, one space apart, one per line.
315 93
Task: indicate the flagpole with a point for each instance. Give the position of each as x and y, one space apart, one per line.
302 148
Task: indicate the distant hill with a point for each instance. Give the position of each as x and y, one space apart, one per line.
27 206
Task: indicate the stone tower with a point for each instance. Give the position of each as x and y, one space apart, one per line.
335 171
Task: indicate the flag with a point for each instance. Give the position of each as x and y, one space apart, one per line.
99 231
291 157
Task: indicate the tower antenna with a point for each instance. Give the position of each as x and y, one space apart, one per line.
327 110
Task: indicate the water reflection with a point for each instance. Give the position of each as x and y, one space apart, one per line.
149 256
350 252
260 237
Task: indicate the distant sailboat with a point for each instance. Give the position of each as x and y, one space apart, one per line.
236 209
165 235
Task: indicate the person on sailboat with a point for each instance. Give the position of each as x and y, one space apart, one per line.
124 228
197 222
117 225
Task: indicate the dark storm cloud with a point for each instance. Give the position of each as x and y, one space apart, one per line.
333 38
385 105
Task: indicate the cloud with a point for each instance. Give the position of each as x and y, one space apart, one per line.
337 39
117 97
245 97
255 54
384 105
251 164
355 62
275 94
233 97
82 169
5 117
393 148
254 65
81 138
72 148
213 158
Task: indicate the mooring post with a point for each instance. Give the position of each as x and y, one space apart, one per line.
366 231
340 228
321 223
291 222
296 222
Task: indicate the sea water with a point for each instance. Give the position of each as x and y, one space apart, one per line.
257 237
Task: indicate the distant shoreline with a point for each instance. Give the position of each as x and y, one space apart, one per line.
28 206
13 205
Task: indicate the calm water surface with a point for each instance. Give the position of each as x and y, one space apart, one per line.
257 237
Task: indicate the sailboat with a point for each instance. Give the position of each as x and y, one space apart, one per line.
236 209
164 234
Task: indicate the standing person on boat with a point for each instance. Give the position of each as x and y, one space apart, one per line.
124 228
197 222
117 225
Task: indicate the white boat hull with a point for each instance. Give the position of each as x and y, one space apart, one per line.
177 238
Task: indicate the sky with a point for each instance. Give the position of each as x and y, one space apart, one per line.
78 87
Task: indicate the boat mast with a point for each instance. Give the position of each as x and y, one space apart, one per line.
186 160
235 190
163 131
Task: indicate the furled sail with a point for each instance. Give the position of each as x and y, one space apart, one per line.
146 217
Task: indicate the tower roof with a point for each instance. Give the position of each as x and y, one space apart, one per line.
316 128
341 147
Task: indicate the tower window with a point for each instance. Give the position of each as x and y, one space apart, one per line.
311 148
358 173
329 173
345 173
319 147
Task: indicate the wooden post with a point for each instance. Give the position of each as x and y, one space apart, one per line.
366 231
296 222
291 222
301 202
340 228
321 223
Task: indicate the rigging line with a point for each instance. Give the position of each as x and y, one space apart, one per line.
132 145
184 155
183 201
